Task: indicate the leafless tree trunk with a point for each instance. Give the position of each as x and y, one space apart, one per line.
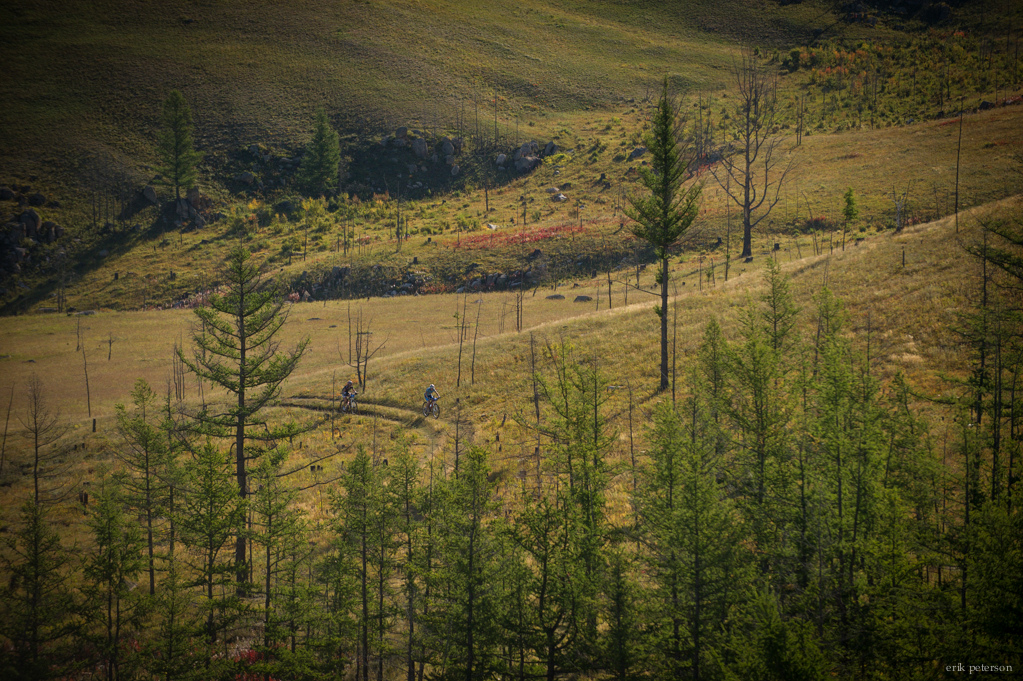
475 335
7 423
959 148
88 393
360 349
45 427
900 206
753 162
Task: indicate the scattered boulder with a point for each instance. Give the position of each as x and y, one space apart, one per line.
501 158
193 197
550 149
36 199
32 222
560 198
454 171
984 106
491 226
537 253
401 133
556 296
246 177
104 253
419 148
447 147
400 142
412 168
637 152
50 231
149 194
553 190
582 299
6 193
525 163
749 259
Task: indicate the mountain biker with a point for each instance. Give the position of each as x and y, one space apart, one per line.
347 393
431 395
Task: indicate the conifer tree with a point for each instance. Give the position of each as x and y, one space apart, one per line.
209 515
407 498
357 515
111 570
693 544
237 348
39 613
169 649
175 143
320 164
281 549
666 215
146 455
468 603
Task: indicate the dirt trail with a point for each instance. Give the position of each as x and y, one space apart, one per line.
434 430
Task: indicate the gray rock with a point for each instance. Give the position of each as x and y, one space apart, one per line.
32 222
560 198
400 142
501 158
550 149
454 171
553 190
419 148
447 147
149 194
6 194
36 199
246 177
401 133
48 232
412 168
193 197
637 152
525 163
582 299
104 253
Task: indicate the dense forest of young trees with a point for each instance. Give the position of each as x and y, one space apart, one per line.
794 517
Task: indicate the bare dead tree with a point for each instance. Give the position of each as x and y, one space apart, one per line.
519 297
360 348
475 335
88 393
752 161
44 427
461 323
899 201
7 423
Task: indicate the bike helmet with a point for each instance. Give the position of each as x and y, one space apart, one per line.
349 383
431 385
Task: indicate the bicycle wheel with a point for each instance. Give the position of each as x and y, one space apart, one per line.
435 409
353 406
426 408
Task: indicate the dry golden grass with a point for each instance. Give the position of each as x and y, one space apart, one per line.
910 311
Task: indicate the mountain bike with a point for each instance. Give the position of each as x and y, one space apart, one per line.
430 407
